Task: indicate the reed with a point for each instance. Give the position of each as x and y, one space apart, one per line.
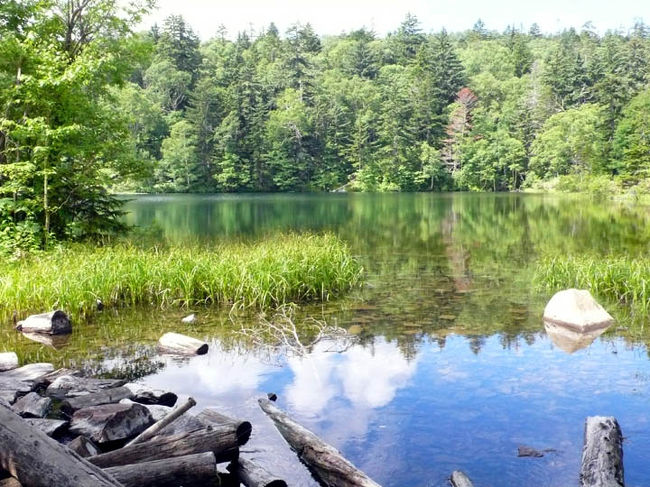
624 279
287 268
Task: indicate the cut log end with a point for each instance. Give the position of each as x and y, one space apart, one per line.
602 455
181 344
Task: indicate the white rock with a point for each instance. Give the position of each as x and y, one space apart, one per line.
578 310
8 361
189 319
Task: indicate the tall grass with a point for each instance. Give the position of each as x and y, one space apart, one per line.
624 279
288 268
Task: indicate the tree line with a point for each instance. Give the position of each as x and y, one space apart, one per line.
88 106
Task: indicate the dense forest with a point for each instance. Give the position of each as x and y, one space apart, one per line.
89 106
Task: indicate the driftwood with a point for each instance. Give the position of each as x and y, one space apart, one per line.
51 427
107 396
221 441
602 455
72 386
459 479
181 344
189 471
144 395
253 475
111 422
53 323
242 428
324 461
32 406
83 447
8 361
37 460
152 430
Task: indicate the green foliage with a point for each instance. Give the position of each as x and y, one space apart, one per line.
632 139
278 270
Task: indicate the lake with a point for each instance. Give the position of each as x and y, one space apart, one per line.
447 364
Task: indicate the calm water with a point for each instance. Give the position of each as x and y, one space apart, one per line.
450 366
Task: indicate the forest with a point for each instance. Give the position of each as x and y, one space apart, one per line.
90 106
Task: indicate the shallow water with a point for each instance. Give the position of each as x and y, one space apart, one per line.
449 365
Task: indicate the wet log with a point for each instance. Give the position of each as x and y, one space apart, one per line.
51 427
111 422
189 471
83 447
242 428
73 386
52 323
459 479
253 475
28 373
602 455
37 460
144 395
32 406
221 441
107 396
152 430
8 361
324 461
181 344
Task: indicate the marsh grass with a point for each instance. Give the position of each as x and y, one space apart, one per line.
622 278
287 268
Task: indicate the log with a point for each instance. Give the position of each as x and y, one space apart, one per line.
83 447
51 427
189 471
111 422
73 386
324 461
183 424
107 396
181 344
32 406
152 430
602 455
253 475
242 428
459 479
52 323
144 395
221 441
37 460
8 361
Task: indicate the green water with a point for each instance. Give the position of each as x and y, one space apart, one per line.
447 364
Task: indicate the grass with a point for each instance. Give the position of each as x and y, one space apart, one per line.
288 268
622 278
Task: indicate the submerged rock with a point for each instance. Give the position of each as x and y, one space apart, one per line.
527 451
578 310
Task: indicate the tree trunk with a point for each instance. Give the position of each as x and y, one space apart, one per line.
253 475
195 470
602 455
52 323
181 344
221 441
242 428
459 479
152 430
324 461
39 461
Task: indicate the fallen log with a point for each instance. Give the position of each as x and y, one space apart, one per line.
221 441
83 447
181 344
147 396
73 386
8 361
107 396
459 479
324 461
52 323
152 430
189 471
51 427
242 428
253 475
602 455
37 460
32 405
110 422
